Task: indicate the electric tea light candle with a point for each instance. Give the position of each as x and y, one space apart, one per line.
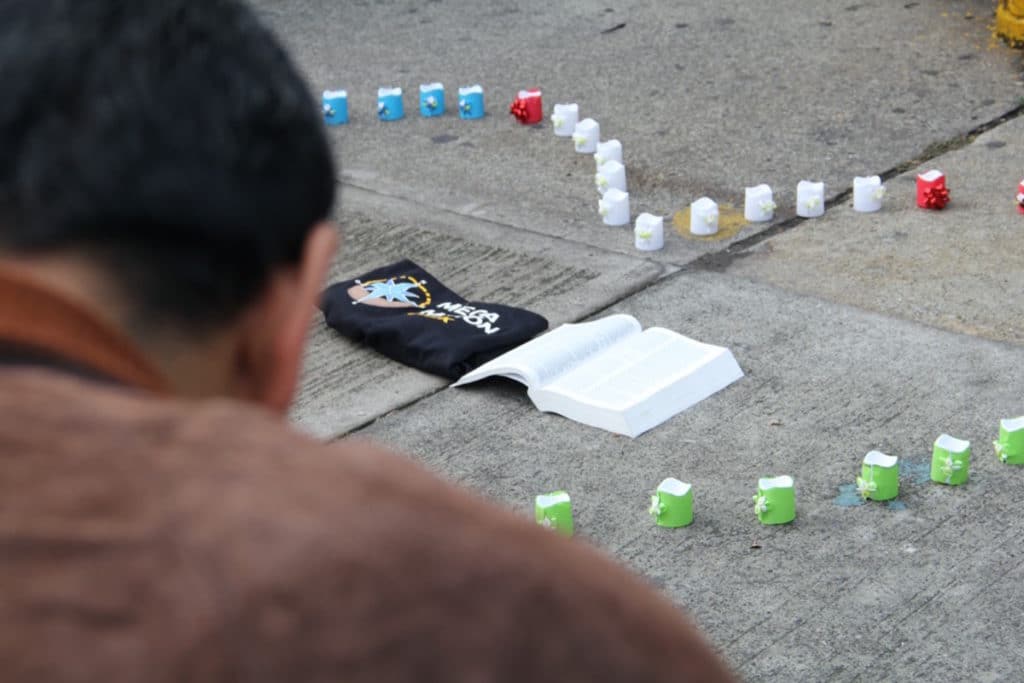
775 500
335 106
586 135
1010 446
610 150
554 511
564 119
432 99
672 504
759 205
931 190
810 199
867 194
704 217
389 104
649 233
471 102
611 175
951 459
528 108
879 477
614 207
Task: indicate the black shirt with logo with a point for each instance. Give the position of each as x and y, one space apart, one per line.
406 314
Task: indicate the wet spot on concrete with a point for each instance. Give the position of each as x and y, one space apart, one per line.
987 103
853 8
826 24
444 138
966 57
995 144
911 5
930 72
726 21
899 110
682 25
917 471
849 497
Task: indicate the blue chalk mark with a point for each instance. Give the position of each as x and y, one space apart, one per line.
917 472
896 505
849 497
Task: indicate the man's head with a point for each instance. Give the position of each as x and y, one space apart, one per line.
163 161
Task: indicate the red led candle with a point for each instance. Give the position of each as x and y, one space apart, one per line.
931 190
528 108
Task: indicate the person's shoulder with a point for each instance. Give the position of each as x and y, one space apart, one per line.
313 559
160 448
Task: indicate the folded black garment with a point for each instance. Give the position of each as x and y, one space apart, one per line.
405 313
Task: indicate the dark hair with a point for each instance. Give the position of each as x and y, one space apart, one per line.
171 140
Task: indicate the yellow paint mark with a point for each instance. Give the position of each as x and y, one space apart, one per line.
730 222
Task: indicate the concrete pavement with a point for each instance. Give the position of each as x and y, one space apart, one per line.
856 331
706 97
846 592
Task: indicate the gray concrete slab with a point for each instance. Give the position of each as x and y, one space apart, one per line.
922 590
345 385
838 322
959 268
706 97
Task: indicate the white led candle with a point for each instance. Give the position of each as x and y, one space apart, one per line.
810 199
867 194
610 150
564 119
611 175
614 207
759 206
704 217
586 136
649 233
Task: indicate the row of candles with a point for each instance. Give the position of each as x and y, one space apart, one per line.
759 204
610 179
775 500
391 105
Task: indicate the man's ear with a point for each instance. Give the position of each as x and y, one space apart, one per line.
282 321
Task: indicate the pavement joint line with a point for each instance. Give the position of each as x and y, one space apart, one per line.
720 261
712 262
576 243
683 271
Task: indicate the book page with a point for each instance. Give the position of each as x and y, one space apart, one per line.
545 358
634 368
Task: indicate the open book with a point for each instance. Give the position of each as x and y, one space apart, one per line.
610 374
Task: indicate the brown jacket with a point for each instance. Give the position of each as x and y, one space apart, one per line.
144 538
